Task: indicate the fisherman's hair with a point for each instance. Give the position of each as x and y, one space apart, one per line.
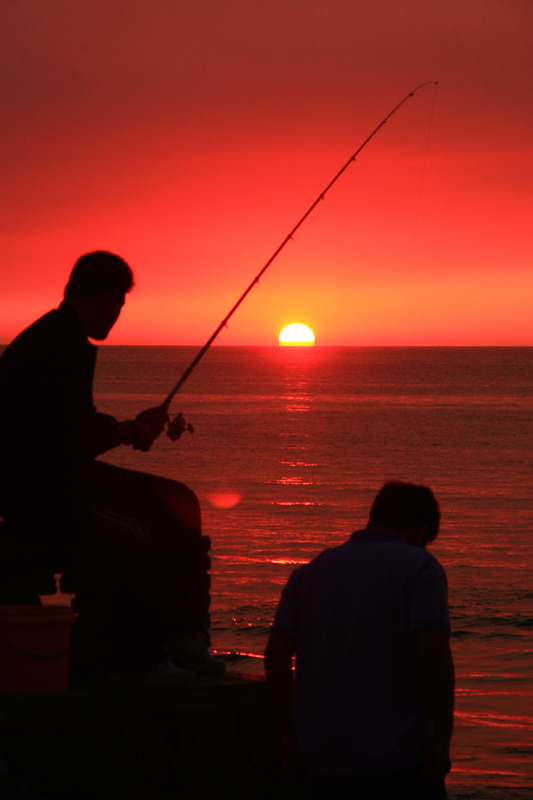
405 505
95 274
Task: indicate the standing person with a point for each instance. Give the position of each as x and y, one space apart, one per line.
129 544
371 712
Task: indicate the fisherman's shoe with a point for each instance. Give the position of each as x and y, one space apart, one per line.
193 652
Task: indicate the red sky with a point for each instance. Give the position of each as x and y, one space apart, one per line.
190 137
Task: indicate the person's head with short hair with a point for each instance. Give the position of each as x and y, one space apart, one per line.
408 509
96 273
97 289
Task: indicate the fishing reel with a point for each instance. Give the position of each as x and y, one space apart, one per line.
178 426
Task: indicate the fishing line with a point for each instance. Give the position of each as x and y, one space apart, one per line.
422 182
178 425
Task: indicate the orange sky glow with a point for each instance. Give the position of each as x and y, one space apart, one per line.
190 137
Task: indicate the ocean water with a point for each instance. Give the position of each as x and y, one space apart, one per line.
290 447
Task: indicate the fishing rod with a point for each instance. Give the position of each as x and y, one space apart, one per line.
178 425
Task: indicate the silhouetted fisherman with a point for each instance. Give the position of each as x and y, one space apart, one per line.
129 544
372 713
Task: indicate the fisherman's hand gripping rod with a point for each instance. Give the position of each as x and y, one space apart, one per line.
176 427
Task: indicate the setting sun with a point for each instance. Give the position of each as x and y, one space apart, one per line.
297 334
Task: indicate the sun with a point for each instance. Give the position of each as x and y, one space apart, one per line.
297 334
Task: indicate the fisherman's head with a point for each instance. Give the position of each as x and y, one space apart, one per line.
97 289
408 509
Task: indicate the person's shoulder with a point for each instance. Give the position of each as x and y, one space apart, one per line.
303 570
409 560
49 340
327 555
425 569
308 575
419 558
48 322
427 557
322 564
29 339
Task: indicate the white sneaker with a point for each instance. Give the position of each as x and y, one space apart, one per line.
193 652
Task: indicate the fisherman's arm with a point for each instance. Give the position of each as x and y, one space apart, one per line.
438 683
140 432
146 427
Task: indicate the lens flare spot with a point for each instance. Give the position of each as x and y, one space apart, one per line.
297 334
224 499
